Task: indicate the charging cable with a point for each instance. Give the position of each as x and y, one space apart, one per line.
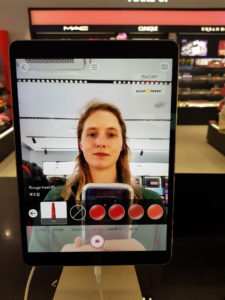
28 283
98 272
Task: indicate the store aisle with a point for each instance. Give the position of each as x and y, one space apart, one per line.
194 154
8 166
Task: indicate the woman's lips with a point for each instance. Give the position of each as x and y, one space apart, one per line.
101 154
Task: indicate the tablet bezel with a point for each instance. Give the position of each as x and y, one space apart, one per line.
95 49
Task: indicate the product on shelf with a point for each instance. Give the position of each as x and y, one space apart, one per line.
215 64
194 47
221 48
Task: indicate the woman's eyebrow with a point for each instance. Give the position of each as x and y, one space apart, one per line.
95 128
112 128
91 128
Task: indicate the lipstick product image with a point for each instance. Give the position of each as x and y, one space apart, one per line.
53 213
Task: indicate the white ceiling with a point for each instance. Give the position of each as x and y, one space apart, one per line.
60 135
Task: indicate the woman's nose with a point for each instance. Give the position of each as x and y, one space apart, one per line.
100 142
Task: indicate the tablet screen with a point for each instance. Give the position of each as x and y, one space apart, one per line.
95 136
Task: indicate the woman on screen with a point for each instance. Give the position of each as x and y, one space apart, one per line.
103 158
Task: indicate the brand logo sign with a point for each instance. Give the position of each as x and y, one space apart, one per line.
147 1
213 29
75 28
149 90
148 28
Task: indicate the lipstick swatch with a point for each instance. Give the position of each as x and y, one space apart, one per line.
97 212
155 211
116 212
136 212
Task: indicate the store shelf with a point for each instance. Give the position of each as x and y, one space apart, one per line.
201 81
198 103
199 96
202 70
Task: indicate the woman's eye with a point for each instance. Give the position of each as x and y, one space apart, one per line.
92 134
112 135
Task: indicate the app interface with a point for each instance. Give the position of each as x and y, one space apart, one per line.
52 96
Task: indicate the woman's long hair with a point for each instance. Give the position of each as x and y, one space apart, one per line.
81 174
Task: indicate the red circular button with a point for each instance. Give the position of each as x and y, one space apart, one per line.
97 241
155 211
136 212
116 212
97 212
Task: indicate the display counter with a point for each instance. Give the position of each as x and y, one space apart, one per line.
215 138
6 142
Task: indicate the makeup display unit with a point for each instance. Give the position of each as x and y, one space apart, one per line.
6 129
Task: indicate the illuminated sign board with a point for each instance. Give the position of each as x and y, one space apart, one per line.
107 22
86 17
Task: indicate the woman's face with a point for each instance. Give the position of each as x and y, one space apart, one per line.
101 140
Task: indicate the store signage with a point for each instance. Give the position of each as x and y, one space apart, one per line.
148 28
75 28
147 1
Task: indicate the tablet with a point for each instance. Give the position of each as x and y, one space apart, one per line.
95 138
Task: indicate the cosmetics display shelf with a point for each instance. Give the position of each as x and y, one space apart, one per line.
200 90
201 81
6 129
202 70
199 95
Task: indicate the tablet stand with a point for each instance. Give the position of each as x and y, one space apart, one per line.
118 282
